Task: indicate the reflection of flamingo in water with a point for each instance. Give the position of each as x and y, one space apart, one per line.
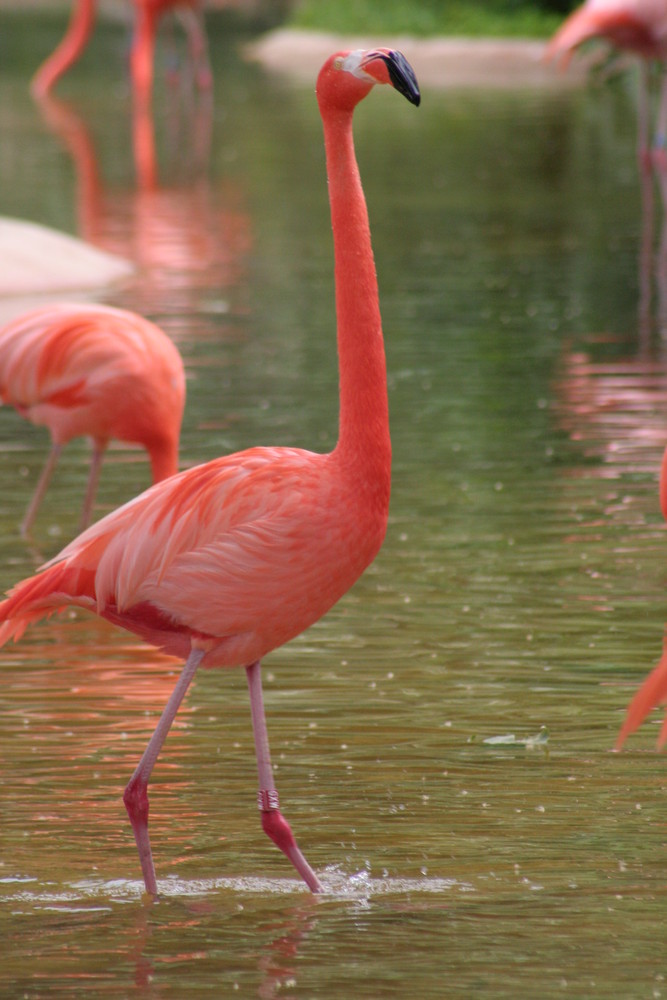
147 15
94 371
614 407
182 235
229 560
635 26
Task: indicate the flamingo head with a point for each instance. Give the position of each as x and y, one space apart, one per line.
347 77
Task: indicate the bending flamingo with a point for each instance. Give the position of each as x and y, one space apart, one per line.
95 371
147 15
636 26
229 560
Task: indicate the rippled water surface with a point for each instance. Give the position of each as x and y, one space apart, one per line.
442 738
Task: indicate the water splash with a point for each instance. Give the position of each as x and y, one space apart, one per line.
24 890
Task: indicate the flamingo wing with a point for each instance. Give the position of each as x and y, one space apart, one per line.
66 357
238 542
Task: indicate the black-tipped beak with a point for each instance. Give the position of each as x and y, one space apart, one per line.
402 75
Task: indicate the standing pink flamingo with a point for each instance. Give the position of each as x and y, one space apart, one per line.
225 562
147 13
636 26
95 371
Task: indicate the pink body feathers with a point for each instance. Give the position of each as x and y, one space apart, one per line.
651 694
638 26
224 562
234 557
95 371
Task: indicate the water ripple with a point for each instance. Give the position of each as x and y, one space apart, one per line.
83 895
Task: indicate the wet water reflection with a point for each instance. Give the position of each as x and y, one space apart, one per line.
521 585
183 235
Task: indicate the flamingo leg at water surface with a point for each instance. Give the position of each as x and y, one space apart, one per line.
95 371
147 15
224 562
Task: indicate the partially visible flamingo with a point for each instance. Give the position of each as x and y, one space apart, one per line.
635 26
638 26
653 691
229 560
147 15
96 371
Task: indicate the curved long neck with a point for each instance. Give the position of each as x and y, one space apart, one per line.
364 415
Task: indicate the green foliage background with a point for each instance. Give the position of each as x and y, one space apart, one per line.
500 18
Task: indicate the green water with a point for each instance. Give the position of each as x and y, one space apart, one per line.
521 586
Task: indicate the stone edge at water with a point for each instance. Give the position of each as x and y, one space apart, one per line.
438 62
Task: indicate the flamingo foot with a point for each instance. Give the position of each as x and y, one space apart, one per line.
135 798
278 829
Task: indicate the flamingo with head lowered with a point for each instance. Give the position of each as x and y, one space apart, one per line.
93 371
225 562
635 26
147 16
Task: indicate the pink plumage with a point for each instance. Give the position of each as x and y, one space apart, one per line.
638 26
651 694
234 557
94 371
224 562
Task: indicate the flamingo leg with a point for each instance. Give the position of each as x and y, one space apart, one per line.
141 56
644 119
660 139
274 823
646 182
135 796
91 488
40 489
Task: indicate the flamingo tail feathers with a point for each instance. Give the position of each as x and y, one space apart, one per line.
653 692
40 596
